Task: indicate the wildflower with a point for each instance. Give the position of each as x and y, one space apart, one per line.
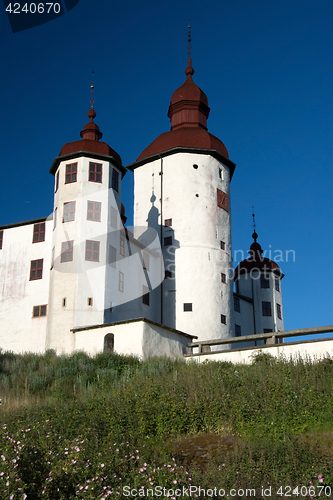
102 465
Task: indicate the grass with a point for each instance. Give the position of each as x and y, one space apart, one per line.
82 427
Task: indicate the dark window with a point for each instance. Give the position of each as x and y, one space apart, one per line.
64 302
112 256
69 211
168 274
39 232
71 173
222 243
223 319
90 301
95 172
121 281
279 311
223 278
168 222
94 211
108 342
187 306
220 174
92 250
36 269
236 304
122 246
238 331
1 239
66 251
115 179
264 281
277 284
39 311
145 256
268 330
57 182
266 309
113 221
145 295
168 241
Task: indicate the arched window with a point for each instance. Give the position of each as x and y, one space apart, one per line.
108 342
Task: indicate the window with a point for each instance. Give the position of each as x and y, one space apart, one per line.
1 239
236 304
279 311
222 200
221 174
92 250
52 258
264 281
90 301
66 251
94 211
266 309
39 233
145 257
223 319
145 295
39 311
69 211
114 218
167 274
56 182
223 278
122 246
168 241
115 180
121 281
187 306
112 256
108 342
64 302
222 244
71 173
277 284
55 218
268 330
95 172
168 222
36 269
238 331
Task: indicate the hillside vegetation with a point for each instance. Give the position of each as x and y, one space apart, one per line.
112 426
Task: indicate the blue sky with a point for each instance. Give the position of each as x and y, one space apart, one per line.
266 68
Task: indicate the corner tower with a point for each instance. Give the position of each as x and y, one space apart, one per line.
182 189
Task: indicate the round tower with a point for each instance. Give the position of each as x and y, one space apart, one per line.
182 189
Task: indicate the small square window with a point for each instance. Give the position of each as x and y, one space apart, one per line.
223 278
145 295
1 239
115 180
121 281
122 246
95 172
39 311
168 222
266 309
57 182
94 211
112 256
236 304
264 281
71 173
113 221
66 251
90 301
145 257
223 319
69 211
279 311
167 274
39 233
92 251
222 245
188 307
36 269
238 331
277 284
168 241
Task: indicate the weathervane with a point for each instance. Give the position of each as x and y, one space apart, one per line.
92 86
254 235
189 39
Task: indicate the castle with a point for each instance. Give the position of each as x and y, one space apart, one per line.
80 279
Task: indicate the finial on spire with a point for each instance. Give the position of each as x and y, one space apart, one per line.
189 39
189 70
254 235
92 86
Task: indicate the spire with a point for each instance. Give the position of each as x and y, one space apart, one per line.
255 249
189 70
91 130
254 235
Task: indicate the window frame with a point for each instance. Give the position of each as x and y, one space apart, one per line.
92 250
121 284
115 180
264 281
112 256
237 304
168 222
40 233
114 218
36 270
279 311
187 307
57 182
238 330
277 284
167 241
94 211
92 176
39 315
223 278
222 245
65 252
72 173
122 246
223 319
266 308
68 211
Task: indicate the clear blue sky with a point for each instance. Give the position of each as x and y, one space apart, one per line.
266 67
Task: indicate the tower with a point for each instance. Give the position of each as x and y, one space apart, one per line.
182 190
